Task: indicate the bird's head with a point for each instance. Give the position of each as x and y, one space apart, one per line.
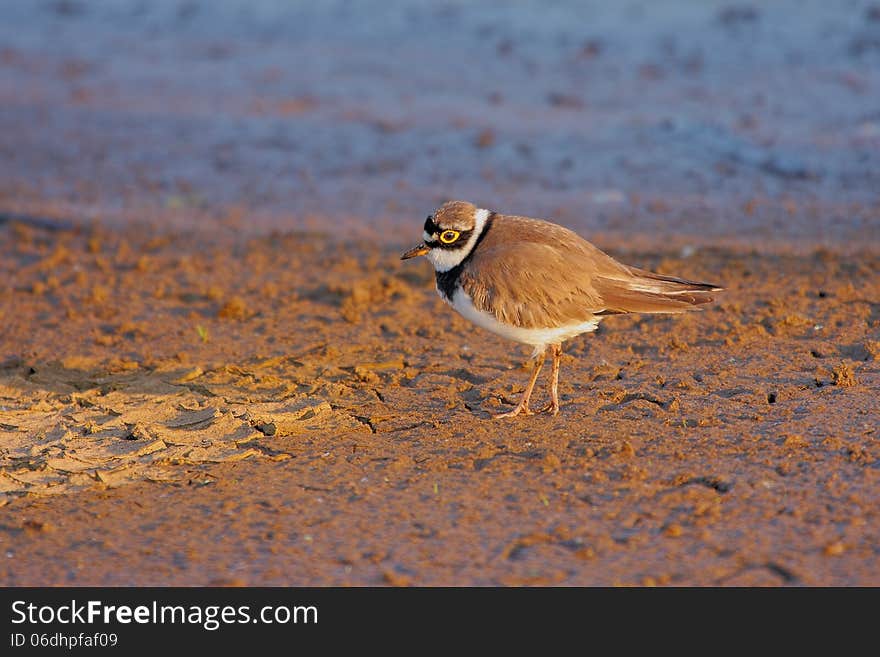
449 234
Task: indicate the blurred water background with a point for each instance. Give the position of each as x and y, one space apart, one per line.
698 121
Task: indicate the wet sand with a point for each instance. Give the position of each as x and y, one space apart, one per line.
214 369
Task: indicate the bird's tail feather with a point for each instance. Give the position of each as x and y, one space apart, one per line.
647 292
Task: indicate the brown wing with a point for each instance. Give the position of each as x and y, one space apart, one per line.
646 292
535 274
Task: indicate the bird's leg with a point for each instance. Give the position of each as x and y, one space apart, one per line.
523 406
553 406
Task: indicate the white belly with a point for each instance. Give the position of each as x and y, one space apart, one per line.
537 337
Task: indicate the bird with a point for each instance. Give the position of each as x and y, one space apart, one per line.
539 283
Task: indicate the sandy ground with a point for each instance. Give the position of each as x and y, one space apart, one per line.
214 368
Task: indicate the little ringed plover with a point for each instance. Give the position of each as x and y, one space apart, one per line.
538 283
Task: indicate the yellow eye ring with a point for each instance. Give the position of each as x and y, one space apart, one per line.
449 236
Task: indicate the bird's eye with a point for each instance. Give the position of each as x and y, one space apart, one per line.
449 236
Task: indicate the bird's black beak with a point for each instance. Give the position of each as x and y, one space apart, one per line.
419 250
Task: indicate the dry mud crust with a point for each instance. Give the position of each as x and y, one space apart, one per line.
283 410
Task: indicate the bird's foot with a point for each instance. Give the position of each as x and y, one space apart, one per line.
550 407
521 409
